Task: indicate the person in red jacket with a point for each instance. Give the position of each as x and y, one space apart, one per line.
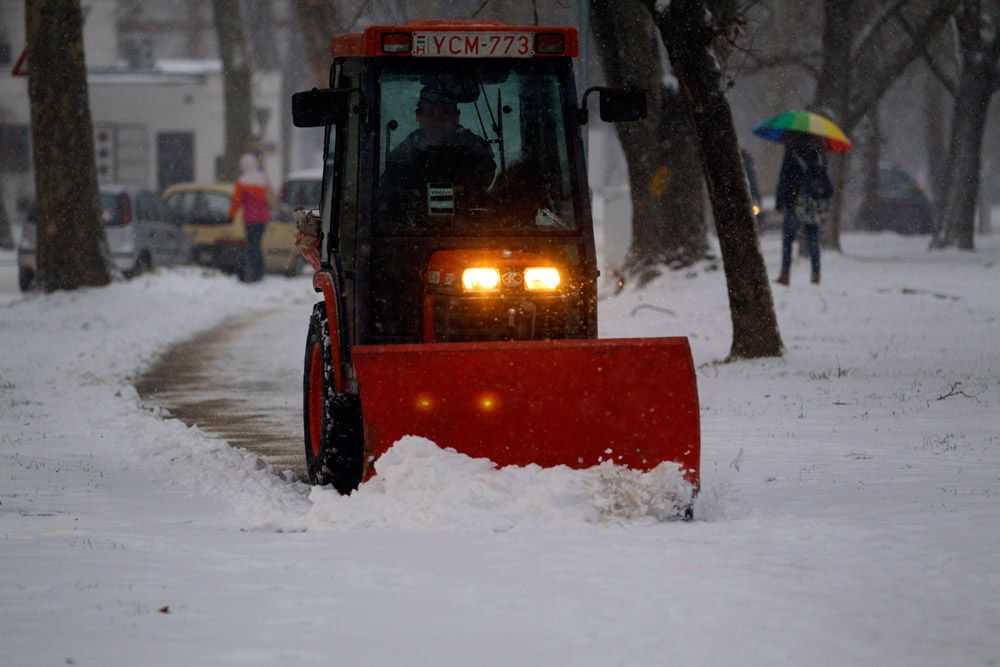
253 195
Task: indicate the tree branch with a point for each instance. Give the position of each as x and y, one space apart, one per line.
880 81
782 59
949 84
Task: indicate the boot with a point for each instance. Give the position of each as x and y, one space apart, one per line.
783 278
815 278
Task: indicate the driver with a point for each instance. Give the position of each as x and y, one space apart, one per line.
439 152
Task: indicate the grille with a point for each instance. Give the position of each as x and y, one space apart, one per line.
465 318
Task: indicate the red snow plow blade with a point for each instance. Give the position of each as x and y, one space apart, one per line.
560 402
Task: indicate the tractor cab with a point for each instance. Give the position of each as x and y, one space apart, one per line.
459 148
455 220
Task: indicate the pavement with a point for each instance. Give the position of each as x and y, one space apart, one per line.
241 381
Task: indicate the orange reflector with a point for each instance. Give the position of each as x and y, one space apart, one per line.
487 402
550 42
396 42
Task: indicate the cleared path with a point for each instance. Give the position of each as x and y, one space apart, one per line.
241 381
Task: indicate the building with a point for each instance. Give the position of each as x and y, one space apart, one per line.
156 122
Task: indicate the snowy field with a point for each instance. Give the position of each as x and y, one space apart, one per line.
849 514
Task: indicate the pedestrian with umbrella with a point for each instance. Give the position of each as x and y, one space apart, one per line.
804 188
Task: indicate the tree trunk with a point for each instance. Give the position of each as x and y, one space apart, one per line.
260 17
319 22
6 238
668 215
935 141
980 48
833 91
854 76
70 236
237 86
872 156
687 32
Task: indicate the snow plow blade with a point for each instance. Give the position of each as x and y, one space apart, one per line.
555 402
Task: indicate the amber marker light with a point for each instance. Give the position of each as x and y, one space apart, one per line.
424 402
550 42
541 278
480 279
396 42
487 402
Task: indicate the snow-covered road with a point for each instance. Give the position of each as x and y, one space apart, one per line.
850 511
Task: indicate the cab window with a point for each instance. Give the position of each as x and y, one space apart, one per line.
472 147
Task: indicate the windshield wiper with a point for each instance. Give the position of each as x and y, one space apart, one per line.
496 121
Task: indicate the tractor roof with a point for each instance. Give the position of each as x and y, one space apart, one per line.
458 39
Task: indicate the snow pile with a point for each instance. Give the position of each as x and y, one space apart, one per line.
419 486
66 386
849 510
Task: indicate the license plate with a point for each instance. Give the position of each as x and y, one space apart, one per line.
473 44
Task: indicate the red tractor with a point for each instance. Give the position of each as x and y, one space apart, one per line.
455 255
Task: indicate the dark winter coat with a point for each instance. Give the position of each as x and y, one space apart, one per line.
464 160
803 171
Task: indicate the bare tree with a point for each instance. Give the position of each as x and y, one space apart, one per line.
668 215
861 60
319 21
977 23
260 19
68 213
237 85
689 34
6 238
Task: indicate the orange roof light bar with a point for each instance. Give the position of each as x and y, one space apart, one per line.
458 39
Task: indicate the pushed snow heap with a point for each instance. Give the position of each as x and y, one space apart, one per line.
421 486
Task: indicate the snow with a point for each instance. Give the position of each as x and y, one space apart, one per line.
849 513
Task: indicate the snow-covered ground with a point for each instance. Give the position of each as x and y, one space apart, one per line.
850 507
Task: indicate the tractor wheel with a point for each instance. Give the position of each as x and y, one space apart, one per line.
334 431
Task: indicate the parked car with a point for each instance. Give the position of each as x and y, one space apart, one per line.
302 188
902 206
138 233
219 241
202 209
26 259
278 246
760 214
137 236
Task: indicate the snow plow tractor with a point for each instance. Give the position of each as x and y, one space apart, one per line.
455 253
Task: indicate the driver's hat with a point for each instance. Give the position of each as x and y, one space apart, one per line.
435 97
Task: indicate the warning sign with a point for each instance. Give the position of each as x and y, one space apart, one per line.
21 66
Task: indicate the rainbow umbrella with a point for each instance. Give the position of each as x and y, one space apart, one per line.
807 124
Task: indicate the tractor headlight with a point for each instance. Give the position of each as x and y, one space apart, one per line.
480 279
541 278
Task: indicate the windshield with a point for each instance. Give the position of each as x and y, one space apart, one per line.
302 192
473 147
198 207
114 209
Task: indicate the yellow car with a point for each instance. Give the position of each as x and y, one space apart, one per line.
278 247
217 239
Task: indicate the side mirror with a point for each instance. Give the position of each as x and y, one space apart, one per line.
617 105
319 107
623 105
